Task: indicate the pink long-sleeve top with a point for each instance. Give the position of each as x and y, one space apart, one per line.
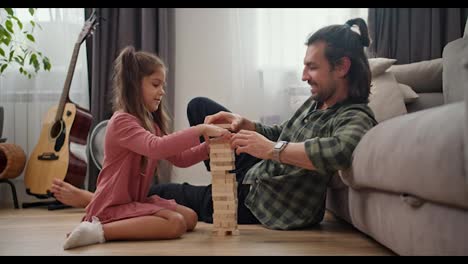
122 188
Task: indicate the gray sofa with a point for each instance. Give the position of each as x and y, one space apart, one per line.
408 185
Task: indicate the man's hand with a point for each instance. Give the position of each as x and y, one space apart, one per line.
208 131
252 143
237 122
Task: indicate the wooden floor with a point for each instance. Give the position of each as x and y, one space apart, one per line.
37 231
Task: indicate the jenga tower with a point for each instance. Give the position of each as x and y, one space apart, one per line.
224 187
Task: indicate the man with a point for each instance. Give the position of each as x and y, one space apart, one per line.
283 170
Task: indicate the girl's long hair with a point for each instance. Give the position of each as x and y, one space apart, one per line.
129 69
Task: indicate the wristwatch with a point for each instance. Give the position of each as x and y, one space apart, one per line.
279 146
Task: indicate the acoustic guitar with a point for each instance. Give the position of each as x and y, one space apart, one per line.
62 124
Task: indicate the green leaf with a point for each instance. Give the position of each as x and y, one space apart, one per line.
2 52
32 23
9 11
21 70
6 34
31 11
17 59
11 55
36 65
29 76
33 58
20 25
46 63
9 26
31 37
2 69
7 41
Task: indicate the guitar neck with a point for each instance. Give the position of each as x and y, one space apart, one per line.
68 80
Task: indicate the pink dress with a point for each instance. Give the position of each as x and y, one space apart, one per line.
122 190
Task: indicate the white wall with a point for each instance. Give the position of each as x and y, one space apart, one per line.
208 52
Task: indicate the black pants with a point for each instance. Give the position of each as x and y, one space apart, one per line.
199 197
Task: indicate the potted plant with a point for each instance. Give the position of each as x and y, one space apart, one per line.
16 47
16 40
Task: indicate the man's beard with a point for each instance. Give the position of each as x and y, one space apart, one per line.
323 96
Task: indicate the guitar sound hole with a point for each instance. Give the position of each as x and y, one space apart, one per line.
56 129
3 162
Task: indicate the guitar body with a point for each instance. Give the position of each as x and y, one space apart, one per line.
51 157
63 124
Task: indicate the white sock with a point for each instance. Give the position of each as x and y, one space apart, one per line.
86 233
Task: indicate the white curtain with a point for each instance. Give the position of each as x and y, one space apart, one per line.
27 100
281 39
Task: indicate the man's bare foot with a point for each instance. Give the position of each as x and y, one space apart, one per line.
70 195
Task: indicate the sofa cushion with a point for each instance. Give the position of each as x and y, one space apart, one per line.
380 65
386 99
455 75
425 101
420 154
408 94
423 76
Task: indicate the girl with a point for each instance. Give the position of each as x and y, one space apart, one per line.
136 139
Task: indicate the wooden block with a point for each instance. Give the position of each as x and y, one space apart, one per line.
233 225
223 188
222 158
224 232
224 198
219 140
222 168
225 215
223 155
222 163
221 150
218 207
223 181
216 193
217 181
223 175
226 224
224 208
226 145
230 196
229 203
226 126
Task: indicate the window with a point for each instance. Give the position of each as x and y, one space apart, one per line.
27 100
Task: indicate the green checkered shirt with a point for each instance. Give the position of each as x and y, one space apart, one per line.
289 197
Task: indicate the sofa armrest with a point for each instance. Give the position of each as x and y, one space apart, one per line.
420 154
